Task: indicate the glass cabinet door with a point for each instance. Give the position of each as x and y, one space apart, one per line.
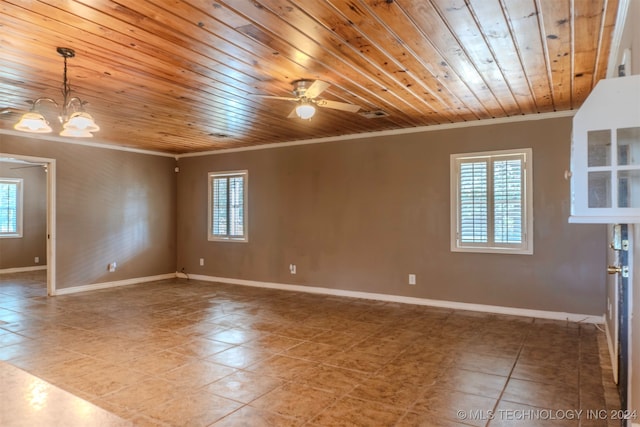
605 154
613 180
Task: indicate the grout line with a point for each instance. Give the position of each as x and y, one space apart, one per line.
506 384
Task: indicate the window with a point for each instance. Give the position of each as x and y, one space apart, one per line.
228 206
10 207
491 202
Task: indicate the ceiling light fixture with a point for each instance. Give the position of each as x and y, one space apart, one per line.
305 110
75 121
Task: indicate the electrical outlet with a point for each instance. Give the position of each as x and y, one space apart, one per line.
201 262
412 279
112 267
292 268
37 260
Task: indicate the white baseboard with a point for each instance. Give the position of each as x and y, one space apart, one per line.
541 314
22 269
105 285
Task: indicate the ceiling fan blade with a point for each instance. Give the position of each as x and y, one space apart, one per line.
316 88
342 106
282 98
292 114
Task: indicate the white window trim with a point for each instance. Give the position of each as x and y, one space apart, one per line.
527 247
19 210
210 236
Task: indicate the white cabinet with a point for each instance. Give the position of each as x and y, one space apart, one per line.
605 154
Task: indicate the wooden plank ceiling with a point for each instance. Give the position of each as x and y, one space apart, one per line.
178 76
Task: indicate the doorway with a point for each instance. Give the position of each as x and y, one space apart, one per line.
49 166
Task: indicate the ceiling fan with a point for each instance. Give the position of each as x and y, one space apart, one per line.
306 96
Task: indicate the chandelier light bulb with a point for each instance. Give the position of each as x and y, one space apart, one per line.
76 133
81 121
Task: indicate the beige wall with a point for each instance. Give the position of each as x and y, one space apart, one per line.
21 252
110 206
361 215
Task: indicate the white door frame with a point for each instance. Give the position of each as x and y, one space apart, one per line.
51 214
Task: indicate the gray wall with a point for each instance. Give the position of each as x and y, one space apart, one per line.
111 206
21 252
361 215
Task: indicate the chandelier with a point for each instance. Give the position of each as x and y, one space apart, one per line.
75 121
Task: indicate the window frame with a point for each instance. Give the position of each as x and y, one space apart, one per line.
227 238
19 182
524 248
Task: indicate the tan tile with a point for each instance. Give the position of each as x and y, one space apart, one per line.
353 412
449 404
295 401
332 379
200 329
253 417
234 336
272 343
283 367
11 338
144 394
411 372
88 343
312 351
193 410
238 356
197 373
244 386
299 332
389 392
565 373
488 364
472 382
200 347
29 401
106 381
158 362
358 361
551 396
344 340
381 347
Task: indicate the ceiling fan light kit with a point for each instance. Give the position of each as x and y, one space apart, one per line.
305 111
75 121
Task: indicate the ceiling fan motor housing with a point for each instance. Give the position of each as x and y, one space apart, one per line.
301 87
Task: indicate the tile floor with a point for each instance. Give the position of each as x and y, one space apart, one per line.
189 353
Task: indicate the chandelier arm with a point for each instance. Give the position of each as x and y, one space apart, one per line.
37 101
80 102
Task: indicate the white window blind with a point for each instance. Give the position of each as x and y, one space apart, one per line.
10 207
491 202
227 205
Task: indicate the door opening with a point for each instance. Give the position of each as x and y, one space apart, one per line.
49 166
